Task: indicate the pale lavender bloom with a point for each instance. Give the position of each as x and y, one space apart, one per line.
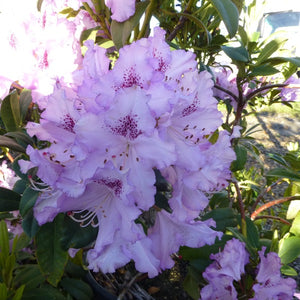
121 10
168 234
291 92
228 266
219 288
270 285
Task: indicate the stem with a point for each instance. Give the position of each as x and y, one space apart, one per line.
180 23
266 87
272 203
148 15
241 205
235 97
267 190
11 159
274 218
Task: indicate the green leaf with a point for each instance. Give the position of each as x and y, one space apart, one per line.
268 50
25 101
241 158
288 271
263 70
280 60
52 258
28 200
19 293
219 199
191 283
284 173
30 276
200 24
77 288
89 34
10 112
21 137
75 236
4 244
289 249
295 229
3 291
45 292
121 31
224 217
252 234
11 144
9 200
20 242
229 14
30 224
236 53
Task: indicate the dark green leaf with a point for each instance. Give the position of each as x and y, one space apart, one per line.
219 199
25 101
241 158
21 137
45 292
75 236
30 224
9 200
278 158
52 258
77 288
30 275
11 144
229 14
224 217
28 200
121 31
4 244
289 249
280 60
20 186
10 112
263 70
199 24
191 283
20 242
243 35
284 173
236 53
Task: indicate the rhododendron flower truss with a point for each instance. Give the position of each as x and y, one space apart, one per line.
152 111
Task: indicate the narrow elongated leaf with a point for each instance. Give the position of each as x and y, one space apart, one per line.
289 249
10 112
30 224
45 292
295 229
3 291
241 158
284 173
25 101
263 70
198 23
19 293
52 258
268 50
223 217
77 288
22 137
11 144
288 271
28 200
236 53
9 200
229 14
4 243
121 31
30 275
279 60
